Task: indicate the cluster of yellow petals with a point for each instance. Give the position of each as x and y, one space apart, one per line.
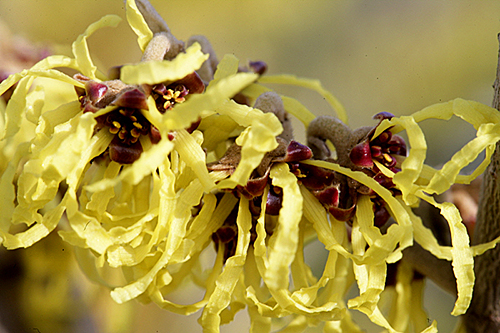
138 217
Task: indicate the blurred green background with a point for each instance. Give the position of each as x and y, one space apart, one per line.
396 56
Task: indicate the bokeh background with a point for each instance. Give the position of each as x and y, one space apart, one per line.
396 56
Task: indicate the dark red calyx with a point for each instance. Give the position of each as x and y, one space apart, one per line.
255 187
361 155
133 98
258 67
383 180
342 214
384 137
315 178
297 152
397 145
274 201
194 125
95 91
383 115
123 153
381 215
193 83
329 196
226 233
154 135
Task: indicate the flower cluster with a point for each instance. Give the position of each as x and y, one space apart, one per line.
153 168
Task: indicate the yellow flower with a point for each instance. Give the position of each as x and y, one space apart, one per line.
396 181
141 212
150 169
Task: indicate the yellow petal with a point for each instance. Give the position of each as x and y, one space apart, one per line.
148 162
258 139
413 164
177 230
487 134
226 282
81 50
291 105
138 24
462 255
310 84
15 108
283 248
194 156
152 72
201 105
227 66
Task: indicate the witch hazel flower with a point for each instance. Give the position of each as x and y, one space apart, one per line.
100 150
184 168
126 121
377 153
371 178
357 150
117 163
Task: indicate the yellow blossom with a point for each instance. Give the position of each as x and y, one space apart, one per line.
150 170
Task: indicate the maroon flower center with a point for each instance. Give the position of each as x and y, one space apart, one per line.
167 96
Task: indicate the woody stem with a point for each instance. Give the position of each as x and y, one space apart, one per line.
483 314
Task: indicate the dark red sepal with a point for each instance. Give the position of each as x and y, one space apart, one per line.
134 99
361 155
123 153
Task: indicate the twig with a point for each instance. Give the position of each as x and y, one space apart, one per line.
484 312
159 28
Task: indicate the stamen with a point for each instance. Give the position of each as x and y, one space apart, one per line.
376 151
387 157
122 134
114 130
135 133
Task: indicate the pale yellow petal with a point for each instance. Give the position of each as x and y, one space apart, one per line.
158 71
138 24
81 51
310 84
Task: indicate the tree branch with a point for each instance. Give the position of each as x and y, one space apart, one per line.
483 315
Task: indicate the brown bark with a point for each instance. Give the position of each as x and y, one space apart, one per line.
483 315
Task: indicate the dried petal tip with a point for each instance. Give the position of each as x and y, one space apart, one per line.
383 115
134 99
361 155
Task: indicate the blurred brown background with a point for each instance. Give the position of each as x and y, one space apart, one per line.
372 55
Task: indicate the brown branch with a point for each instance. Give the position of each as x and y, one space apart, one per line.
159 27
483 315
438 270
